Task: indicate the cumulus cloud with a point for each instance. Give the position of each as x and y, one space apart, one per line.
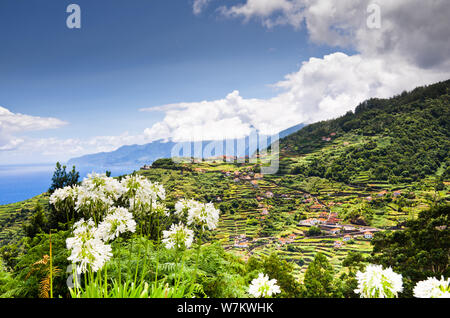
411 47
414 29
322 88
12 124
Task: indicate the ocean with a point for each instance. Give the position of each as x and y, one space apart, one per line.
22 182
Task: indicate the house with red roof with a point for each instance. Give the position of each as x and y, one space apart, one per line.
335 231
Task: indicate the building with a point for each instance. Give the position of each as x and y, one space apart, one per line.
347 237
335 231
368 235
337 244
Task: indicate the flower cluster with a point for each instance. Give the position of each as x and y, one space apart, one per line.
142 193
377 282
118 221
433 288
263 287
203 215
87 247
98 193
179 236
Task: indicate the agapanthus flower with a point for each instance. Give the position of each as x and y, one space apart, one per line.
203 214
60 195
376 282
142 193
116 222
88 250
433 288
182 206
92 200
100 183
263 287
178 236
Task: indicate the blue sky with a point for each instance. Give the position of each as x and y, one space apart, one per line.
130 56
126 57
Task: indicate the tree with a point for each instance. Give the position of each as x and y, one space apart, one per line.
319 279
61 178
314 231
354 262
278 269
38 222
422 250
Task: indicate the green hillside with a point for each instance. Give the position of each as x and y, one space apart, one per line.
401 139
365 173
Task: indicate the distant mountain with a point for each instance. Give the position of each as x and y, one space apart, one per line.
138 155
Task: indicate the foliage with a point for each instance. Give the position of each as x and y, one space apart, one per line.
278 269
420 251
319 279
61 178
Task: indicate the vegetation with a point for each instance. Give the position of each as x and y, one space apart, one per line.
371 187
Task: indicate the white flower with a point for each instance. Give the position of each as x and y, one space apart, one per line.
263 287
178 236
377 282
62 194
94 198
100 183
87 248
117 221
203 214
141 193
433 288
182 206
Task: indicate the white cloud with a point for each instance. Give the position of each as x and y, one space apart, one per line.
322 88
199 6
417 30
53 149
12 124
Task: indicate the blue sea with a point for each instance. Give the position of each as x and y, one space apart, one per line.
21 182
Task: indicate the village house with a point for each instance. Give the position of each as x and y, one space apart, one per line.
269 194
316 207
348 228
146 167
258 176
368 235
292 237
397 193
323 215
347 237
369 198
337 244
236 180
333 134
335 231
282 240
381 193
322 220
265 211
